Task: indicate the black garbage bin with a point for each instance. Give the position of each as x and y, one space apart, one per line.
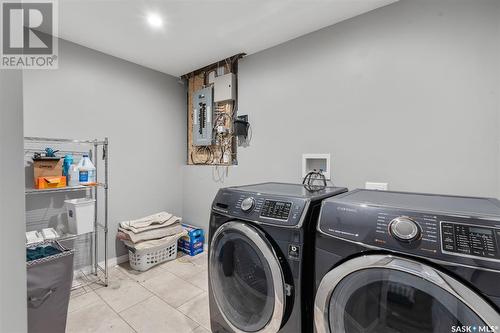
49 287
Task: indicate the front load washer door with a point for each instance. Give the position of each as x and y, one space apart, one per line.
389 294
246 279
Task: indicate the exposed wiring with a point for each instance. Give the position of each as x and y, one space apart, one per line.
203 149
219 173
223 150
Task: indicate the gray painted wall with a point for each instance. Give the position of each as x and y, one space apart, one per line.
93 95
12 238
498 92
407 94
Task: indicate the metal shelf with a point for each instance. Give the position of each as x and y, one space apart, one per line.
85 279
65 237
98 273
58 140
62 189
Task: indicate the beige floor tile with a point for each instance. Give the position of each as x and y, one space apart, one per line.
82 301
113 274
201 329
172 289
154 315
200 260
183 267
200 280
197 309
140 276
83 280
96 318
122 292
77 292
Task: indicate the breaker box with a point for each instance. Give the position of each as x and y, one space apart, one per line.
225 88
202 117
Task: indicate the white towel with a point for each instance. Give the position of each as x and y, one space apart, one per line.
155 243
149 234
153 221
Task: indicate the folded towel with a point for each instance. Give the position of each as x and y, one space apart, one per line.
159 218
40 252
173 229
166 222
156 242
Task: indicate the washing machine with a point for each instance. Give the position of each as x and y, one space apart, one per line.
407 262
261 257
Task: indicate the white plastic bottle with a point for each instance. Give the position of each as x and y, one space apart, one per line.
86 170
73 175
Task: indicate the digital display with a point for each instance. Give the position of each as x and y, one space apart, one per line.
464 239
481 231
276 209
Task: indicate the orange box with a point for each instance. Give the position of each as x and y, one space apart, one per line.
50 182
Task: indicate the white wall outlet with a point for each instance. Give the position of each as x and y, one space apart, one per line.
377 186
312 162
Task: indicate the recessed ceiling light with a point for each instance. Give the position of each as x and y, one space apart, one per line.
155 20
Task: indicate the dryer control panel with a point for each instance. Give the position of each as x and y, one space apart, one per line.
276 209
258 207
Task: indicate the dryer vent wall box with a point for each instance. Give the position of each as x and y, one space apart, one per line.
311 162
225 88
202 117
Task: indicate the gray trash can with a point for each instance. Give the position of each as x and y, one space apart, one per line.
49 288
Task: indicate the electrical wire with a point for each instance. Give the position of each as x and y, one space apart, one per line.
199 150
225 142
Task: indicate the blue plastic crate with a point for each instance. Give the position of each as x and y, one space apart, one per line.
192 244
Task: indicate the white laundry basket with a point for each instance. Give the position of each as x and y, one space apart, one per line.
142 260
81 215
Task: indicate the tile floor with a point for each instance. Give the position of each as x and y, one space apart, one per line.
171 297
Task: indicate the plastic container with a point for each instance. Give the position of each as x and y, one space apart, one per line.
68 161
73 175
142 260
80 215
86 171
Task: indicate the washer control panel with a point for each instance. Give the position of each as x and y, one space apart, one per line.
471 240
451 229
276 209
407 227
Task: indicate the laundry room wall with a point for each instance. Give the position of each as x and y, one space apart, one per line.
498 95
141 111
406 94
12 251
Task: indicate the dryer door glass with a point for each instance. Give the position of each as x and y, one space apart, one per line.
243 279
385 300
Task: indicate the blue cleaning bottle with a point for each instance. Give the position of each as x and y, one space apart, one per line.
68 160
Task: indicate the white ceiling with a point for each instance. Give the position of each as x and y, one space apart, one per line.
197 32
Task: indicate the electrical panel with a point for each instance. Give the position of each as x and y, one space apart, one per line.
225 87
202 117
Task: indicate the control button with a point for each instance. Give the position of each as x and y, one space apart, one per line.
404 229
247 204
449 247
